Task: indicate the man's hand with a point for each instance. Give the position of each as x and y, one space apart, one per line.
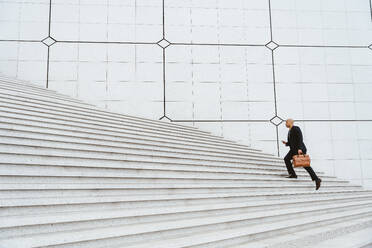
284 142
299 151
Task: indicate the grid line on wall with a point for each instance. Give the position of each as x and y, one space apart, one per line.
163 16
164 65
19 40
322 46
47 67
262 120
50 18
270 21
164 87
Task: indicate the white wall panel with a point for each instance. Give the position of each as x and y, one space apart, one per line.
258 135
367 183
324 84
363 110
218 21
326 22
215 128
348 169
367 169
219 85
365 147
105 21
325 165
24 60
96 73
26 20
180 110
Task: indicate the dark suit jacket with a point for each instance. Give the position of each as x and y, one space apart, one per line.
295 140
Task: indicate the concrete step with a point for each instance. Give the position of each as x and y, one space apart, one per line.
50 136
62 108
35 178
118 167
34 205
23 219
16 113
17 84
12 226
69 151
152 173
359 239
50 101
67 202
76 134
9 93
25 153
12 138
352 233
94 109
169 184
12 134
24 83
40 93
192 228
76 119
245 234
42 191
58 110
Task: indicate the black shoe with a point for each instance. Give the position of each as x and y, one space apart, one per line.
317 183
292 176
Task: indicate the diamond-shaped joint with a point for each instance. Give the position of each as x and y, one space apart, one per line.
165 118
276 120
48 41
272 45
164 43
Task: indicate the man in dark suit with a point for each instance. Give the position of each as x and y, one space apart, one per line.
297 146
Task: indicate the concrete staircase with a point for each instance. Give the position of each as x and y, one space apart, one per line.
74 175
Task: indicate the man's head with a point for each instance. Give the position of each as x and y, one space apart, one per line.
289 123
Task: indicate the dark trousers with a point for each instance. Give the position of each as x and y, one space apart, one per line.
288 163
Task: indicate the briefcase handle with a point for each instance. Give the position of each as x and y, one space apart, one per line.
298 155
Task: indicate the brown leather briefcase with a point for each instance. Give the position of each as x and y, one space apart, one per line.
302 160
